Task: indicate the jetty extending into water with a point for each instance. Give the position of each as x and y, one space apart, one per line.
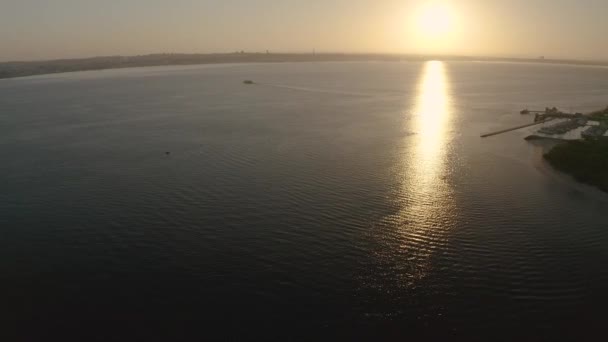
572 122
584 157
515 128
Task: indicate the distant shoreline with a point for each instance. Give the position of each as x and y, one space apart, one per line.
34 68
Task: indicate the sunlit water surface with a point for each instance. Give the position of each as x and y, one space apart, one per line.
331 200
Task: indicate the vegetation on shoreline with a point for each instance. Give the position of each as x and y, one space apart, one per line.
601 115
586 161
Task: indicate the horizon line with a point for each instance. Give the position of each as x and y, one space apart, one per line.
320 53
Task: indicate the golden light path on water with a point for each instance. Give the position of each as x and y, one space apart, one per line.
432 119
426 196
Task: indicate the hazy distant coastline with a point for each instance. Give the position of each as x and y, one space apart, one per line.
32 68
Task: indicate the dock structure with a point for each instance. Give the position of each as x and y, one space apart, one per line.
595 132
527 111
571 122
515 128
564 127
540 115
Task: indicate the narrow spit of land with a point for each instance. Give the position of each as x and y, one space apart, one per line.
585 160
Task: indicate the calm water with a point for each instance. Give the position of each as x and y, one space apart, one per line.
334 200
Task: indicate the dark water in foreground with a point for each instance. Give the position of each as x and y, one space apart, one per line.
336 200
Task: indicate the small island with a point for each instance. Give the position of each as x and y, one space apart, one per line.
586 160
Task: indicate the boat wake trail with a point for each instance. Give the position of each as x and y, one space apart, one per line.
323 91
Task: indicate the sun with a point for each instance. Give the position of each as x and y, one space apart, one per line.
435 20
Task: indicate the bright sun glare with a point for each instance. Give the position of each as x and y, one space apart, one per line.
435 20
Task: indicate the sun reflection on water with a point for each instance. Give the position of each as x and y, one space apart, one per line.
425 196
416 234
432 118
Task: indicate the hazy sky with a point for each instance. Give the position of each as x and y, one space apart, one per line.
41 29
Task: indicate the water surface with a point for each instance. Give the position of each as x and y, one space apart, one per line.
331 200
